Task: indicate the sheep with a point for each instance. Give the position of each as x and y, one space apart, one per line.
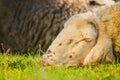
86 38
34 24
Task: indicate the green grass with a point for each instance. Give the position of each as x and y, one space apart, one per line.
21 67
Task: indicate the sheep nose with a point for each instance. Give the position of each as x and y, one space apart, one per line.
44 63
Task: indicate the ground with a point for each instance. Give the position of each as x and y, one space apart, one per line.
27 67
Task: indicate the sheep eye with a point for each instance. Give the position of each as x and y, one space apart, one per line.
92 3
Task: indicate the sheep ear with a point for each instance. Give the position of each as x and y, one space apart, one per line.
105 18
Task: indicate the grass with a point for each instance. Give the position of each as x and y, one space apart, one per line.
22 67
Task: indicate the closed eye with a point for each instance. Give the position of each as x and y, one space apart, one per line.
93 3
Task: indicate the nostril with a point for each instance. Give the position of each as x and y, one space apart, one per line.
48 51
92 3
